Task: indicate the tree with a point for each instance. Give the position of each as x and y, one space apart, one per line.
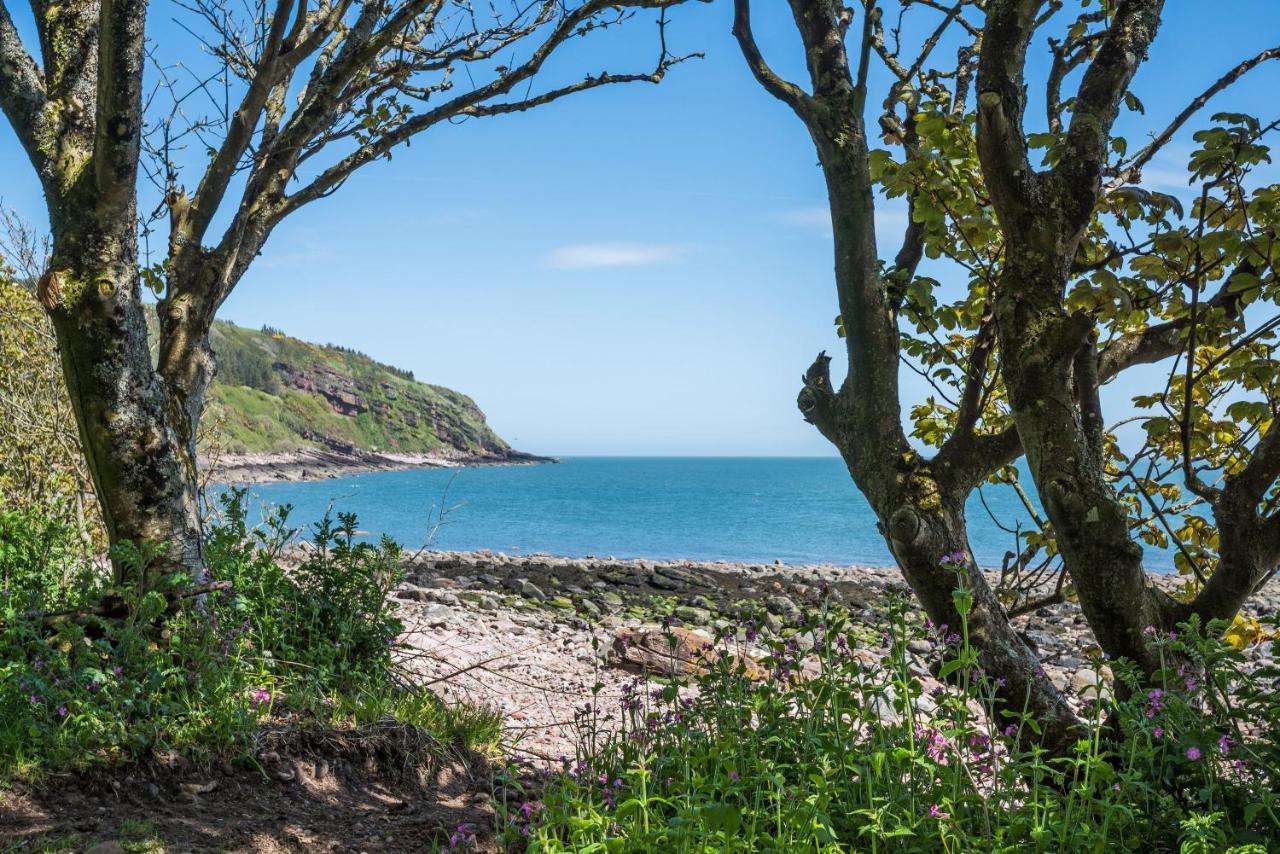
312 93
982 353
1073 305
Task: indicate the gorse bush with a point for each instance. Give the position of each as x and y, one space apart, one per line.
91 673
844 751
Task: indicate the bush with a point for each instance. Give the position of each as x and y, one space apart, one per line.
92 674
850 755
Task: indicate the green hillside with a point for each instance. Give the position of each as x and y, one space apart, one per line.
276 393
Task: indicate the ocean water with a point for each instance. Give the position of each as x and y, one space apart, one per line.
750 509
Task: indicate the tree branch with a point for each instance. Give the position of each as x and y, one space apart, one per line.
1132 170
22 94
789 93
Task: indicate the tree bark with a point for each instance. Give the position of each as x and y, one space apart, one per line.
1049 358
147 491
919 503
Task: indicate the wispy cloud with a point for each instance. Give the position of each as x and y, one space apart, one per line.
584 256
891 218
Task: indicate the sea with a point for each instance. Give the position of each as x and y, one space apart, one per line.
797 510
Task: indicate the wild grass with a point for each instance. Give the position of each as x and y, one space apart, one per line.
846 752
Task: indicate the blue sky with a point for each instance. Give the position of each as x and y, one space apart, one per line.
638 270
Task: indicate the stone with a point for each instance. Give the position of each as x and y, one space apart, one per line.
110 847
782 606
920 647
663 582
1086 684
674 651
525 588
437 615
692 615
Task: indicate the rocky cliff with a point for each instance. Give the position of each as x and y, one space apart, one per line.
275 393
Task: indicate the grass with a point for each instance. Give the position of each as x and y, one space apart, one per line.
849 754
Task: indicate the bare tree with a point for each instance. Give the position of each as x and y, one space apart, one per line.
313 91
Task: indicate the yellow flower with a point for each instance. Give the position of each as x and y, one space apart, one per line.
1245 632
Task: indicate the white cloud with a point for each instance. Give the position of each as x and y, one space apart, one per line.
891 219
585 256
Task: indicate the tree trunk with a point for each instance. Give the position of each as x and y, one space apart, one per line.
145 484
1046 361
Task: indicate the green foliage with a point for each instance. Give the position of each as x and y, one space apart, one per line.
41 465
277 393
851 756
330 618
92 674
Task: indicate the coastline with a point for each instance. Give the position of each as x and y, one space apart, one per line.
325 464
536 637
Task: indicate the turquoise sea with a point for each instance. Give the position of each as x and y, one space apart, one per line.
751 509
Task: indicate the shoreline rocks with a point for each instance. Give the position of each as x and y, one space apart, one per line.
324 464
543 638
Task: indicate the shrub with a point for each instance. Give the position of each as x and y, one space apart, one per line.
92 674
847 753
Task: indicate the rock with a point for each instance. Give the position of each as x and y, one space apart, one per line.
675 573
1085 683
437 615
782 606
590 608
663 582
612 599
920 647
193 789
564 603
427 594
111 847
525 588
1040 640
673 652
693 616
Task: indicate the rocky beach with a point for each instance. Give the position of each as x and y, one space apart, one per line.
326 463
539 637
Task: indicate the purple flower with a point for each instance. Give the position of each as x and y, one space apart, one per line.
1158 732
935 812
62 711
1149 630
260 697
1193 753
733 775
464 836
1224 743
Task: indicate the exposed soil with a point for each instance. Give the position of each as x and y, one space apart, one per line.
311 795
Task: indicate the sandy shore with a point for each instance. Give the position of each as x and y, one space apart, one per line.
319 464
534 636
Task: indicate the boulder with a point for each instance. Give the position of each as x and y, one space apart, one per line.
672 651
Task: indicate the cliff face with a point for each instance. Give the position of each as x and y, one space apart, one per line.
275 393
